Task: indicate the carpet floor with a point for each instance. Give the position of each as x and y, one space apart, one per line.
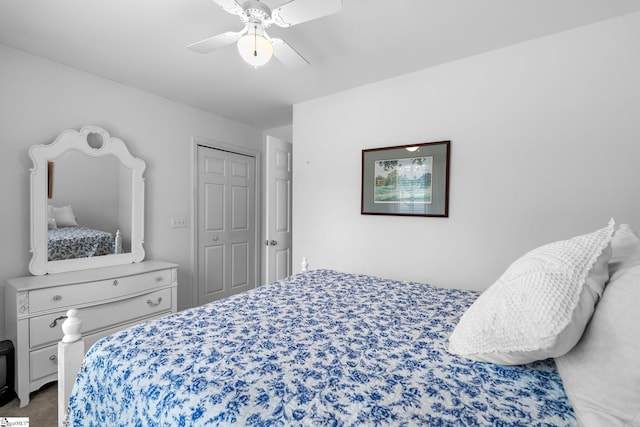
42 409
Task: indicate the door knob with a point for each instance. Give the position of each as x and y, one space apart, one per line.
270 242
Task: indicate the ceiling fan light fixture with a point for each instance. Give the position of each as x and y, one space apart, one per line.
254 48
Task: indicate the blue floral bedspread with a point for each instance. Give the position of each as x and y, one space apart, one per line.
321 348
78 242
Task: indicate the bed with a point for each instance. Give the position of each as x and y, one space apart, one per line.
553 342
319 348
78 242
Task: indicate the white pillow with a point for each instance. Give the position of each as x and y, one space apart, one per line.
51 220
601 375
540 306
64 216
626 249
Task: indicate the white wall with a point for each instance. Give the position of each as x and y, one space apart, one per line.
545 146
39 99
283 132
87 184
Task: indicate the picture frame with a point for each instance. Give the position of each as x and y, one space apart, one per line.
406 180
50 180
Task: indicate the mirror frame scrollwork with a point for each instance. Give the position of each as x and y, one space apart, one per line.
72 139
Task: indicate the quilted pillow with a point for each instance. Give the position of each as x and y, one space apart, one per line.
600 374
540 306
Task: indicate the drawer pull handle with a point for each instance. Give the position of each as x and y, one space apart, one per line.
57 297
154 304
55 321
53 358
159 279
115 282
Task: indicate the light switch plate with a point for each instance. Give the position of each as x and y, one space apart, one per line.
178 222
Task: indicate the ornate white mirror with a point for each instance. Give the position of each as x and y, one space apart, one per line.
87 203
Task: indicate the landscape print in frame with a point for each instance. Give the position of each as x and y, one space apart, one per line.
411 180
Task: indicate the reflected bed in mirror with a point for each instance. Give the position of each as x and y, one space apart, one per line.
87 201
84 209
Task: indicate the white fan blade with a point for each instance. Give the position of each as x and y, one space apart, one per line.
216 42
288 56
230 6
299 11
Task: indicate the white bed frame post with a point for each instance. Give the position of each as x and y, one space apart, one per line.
70 355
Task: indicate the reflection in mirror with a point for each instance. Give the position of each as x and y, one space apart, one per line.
87 203
89 206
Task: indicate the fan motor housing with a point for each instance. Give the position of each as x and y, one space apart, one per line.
255 10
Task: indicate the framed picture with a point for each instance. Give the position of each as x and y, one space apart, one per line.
411 180
50 180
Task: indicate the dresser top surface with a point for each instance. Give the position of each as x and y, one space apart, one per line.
89 275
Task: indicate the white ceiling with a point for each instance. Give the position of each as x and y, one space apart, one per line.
141 43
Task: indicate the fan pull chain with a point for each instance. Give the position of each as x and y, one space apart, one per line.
255 41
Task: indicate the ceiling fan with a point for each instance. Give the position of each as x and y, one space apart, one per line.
254 45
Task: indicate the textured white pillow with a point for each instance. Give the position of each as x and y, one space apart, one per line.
64 216
540 306
601 374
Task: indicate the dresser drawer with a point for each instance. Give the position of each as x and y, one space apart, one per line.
85 293
44 362
41 331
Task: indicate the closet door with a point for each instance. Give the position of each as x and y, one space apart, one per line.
226 224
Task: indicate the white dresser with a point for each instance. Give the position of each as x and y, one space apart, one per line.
108 299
